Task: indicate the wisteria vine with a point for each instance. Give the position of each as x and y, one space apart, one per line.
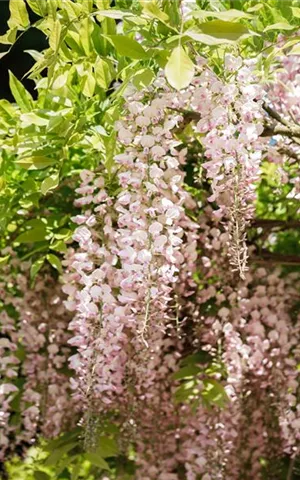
148 284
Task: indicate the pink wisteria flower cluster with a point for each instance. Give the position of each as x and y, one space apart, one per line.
35 391
167 331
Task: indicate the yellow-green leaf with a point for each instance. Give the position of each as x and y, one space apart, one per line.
88 84
227 15
179 69
224 30
207 39
38 6
73 10
18 14
256 7
36 162
143 78
49 183
55 35
295 50
55 262
36 266
103 73
9 37
115 14
296 12
85 34
127 47
20 94
4 260
32 118
152 10
280 26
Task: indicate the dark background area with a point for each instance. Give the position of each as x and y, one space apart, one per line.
17 60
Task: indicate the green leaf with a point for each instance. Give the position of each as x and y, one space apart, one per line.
179 69
127 47
55 262
110 144
56 455
214 392
75 471
39 475
198 357
4 260
49 183
224 30
20 94
37 162
95 459
31 236
185 372
280 26
107 447
64 439
58 246
18 14
185 392
64 234
36 266
227 15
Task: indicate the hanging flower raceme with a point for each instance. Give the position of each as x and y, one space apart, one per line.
34 390
121 280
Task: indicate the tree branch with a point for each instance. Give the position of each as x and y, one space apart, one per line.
266 258
272 113
285 128
288 129
280 224
291 131
291 469
290 153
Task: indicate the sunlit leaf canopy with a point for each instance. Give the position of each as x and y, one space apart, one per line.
97 51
